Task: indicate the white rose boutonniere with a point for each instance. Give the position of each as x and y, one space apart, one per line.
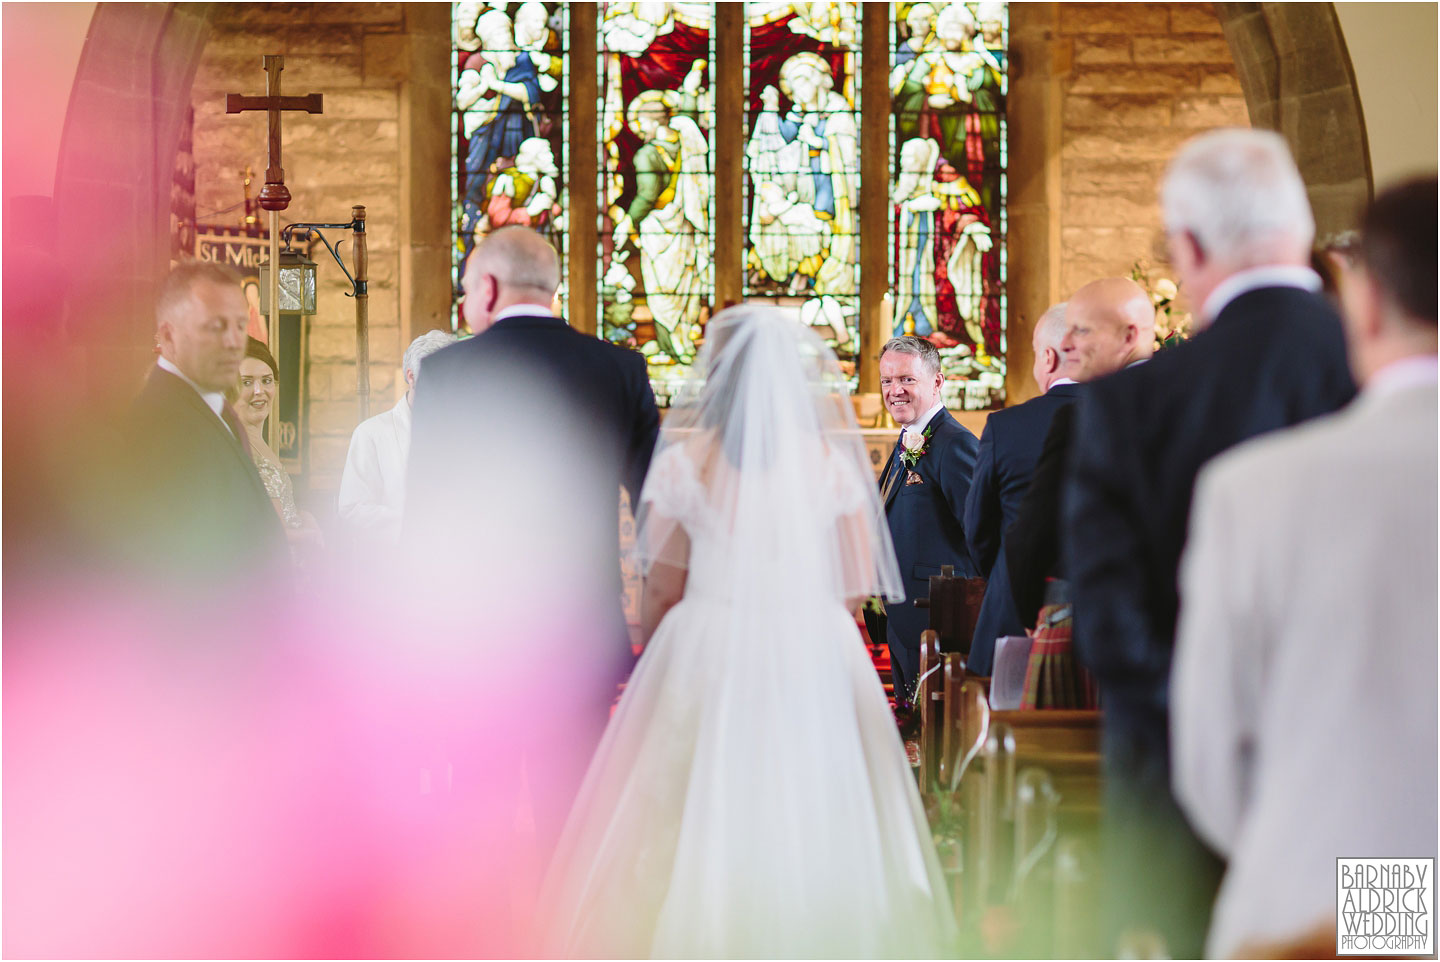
915 444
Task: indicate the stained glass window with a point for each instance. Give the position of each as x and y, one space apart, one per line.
948 84
657 186
802 166
510 146
799 150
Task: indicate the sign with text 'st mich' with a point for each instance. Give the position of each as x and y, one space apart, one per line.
247 250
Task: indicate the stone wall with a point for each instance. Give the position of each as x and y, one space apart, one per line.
374 63
1143 79
1102 95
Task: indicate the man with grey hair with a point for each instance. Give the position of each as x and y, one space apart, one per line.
1269 353
1009 449
924 486
372 488
524 365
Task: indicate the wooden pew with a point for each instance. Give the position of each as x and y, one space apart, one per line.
954 604
930 707
1052 730
1018 789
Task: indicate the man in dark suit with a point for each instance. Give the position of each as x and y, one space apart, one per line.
1269 353
525 399
196 508
1009 446
924 487
1110 325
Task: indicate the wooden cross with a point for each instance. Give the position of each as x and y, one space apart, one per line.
274 195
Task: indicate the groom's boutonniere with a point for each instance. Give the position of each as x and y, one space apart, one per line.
915 444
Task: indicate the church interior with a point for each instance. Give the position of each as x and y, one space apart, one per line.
937 169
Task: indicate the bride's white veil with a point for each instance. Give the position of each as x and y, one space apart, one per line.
751 798
778 461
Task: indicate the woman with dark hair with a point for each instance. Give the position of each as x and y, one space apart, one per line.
254 398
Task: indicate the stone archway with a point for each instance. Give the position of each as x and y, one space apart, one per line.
1297 78
1101 96
113 175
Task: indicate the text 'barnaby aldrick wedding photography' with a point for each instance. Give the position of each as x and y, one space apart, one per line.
1384 906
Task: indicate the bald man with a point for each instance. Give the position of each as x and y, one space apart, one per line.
1009 447
527 369
1109 325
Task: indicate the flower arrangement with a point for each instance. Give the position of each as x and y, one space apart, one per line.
1172 325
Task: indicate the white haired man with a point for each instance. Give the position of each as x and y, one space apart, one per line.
372 489
1269 353
1308 629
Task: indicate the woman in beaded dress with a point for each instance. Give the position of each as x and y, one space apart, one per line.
256 395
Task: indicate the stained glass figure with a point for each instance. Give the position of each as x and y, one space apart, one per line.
657 182
509 107
655 193
948 86
802 165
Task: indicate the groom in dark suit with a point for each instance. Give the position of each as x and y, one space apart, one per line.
924 486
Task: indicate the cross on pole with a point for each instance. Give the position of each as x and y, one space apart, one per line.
274 196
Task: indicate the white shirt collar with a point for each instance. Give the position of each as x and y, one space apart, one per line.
1401 375
1059 381
1254 278
215 400
925 418
524 310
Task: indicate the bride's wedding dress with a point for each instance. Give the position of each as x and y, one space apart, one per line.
751 796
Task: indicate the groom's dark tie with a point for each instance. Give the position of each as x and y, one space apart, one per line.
892 474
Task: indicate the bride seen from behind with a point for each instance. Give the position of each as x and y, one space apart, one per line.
751 796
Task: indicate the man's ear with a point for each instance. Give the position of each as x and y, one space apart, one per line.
490 291
1052 360
1186 251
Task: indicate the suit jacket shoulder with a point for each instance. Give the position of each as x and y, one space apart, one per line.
194 498
603 384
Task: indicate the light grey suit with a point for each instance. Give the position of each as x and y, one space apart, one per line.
1303 693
